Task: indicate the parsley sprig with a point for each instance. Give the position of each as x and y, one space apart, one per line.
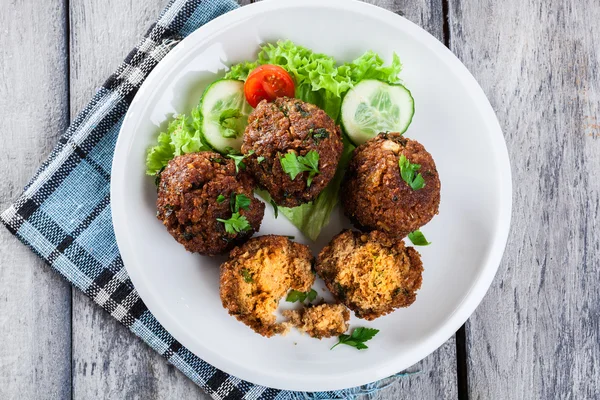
293 165
358 338
237 223
295 295
239 160
408 171
418 239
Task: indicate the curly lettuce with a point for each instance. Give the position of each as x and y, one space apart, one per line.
182 136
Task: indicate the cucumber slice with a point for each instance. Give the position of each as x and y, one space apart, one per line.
373 106
224 115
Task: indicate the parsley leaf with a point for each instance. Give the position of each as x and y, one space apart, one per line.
275 209
238 159
260 159
296 295
237 223
239 162
358 338
294 165
247 275
408 171
242 202
418 239
320 133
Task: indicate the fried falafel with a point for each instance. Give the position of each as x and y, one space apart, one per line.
376 197
258 274
195 191
371 273
286 126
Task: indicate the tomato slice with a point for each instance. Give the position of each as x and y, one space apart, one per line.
268 82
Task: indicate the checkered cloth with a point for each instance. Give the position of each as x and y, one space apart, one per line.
64 212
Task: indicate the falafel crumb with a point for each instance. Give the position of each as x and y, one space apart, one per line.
321 321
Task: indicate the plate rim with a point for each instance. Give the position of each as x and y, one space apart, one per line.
447 328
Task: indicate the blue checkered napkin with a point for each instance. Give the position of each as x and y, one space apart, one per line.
64 212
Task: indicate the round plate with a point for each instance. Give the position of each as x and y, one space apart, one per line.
453 120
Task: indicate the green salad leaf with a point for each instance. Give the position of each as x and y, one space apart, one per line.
371 66
181 137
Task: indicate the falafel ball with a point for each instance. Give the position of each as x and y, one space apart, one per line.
197 189
258 274
371 273
291 126
375 197
320 321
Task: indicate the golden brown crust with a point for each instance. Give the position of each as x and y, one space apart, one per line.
320 321
187 202
291 125
258 274
375 195
371 273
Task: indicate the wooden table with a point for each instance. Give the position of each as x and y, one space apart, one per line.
535 336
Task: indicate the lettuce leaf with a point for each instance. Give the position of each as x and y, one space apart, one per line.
181 137
240 71
371 66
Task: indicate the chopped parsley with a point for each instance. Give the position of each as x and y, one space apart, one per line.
239 162
408 171
242 202
418 239
260 159
294 165
295 295
301 110
247 275
220 199
275 209
358 338
237 223
320 134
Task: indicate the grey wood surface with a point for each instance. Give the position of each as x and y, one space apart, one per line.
536 334
35 303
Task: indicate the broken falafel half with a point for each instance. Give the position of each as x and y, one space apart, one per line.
371 273
258 274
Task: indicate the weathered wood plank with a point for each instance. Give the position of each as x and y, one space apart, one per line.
35 303
536 334
108 361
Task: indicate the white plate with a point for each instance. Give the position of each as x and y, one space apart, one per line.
453 120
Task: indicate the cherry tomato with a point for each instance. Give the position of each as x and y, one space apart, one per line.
268 82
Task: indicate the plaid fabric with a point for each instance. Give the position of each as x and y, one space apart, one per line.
64 212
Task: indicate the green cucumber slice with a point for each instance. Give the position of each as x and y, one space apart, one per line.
373 106
224 115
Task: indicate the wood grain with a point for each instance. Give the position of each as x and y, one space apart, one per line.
536 334
109 362
35 303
